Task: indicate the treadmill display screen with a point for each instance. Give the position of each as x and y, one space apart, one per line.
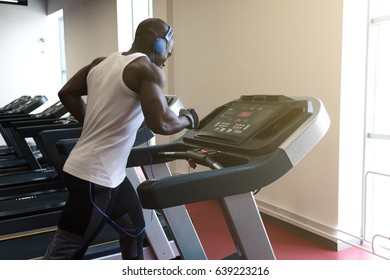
240 119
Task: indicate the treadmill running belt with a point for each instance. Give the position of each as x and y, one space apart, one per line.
30 204
33 246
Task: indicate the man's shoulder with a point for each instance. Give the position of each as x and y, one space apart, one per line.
143 67
142 70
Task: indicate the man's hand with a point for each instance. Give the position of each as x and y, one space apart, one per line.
192 116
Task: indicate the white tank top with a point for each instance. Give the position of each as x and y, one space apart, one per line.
110 126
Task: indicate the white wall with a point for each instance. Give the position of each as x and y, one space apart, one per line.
226 48
22 54
90 29
28 65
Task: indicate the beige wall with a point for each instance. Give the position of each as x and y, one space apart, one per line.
226 48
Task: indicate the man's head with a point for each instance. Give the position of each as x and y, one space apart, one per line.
154 38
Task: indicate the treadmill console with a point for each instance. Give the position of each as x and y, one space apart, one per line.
56 110
252 124
30 105
14 104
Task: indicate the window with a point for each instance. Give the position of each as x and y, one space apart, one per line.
130 14
62 48
54 54
377 143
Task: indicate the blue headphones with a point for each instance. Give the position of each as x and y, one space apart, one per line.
160 44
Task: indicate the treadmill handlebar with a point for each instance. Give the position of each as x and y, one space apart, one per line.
198 155
188 188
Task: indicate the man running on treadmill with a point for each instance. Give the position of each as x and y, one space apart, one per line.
123 90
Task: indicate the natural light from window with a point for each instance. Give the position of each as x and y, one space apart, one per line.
377 148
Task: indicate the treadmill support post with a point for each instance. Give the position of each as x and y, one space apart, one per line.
177 218
246 227
154 232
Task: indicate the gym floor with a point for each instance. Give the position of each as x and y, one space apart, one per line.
287 243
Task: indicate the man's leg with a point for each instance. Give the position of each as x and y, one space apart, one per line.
80 220
128 220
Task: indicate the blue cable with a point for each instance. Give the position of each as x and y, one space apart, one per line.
111 220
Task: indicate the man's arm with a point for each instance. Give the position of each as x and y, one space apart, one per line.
71 93
158 116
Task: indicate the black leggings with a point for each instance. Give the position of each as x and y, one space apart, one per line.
87 209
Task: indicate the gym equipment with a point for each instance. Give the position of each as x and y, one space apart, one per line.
19 108
15 103
247 143
26 107
12 155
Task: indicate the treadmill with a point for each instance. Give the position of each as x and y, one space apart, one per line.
24 106
12 156
14 104
39 168
247 144
19 108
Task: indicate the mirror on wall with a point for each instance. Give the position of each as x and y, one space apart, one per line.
15 2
